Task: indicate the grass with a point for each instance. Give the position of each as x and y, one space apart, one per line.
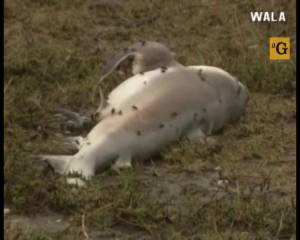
54 51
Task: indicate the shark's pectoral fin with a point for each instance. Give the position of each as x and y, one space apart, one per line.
58 163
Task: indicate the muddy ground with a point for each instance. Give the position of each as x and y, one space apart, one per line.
240 186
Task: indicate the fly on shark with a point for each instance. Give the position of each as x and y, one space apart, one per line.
162 102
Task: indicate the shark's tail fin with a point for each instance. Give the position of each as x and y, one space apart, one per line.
59 163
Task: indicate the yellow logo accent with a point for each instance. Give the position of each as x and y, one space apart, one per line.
279 48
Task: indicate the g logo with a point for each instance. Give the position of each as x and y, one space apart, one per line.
279 48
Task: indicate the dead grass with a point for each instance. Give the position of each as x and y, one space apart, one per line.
54 51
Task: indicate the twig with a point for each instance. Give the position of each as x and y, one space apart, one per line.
280 225
139 226
8 84
134 224
83 227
